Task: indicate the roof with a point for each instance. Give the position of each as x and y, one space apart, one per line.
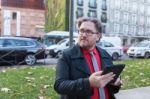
22 38
60 33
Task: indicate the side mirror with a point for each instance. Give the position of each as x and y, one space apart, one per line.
67 44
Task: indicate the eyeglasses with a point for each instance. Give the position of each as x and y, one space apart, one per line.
87 32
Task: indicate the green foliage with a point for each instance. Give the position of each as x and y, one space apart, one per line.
55 15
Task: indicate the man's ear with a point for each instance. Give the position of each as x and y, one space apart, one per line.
99 37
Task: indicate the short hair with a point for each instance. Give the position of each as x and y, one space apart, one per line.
95 21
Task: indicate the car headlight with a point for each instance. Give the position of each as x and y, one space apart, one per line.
55 50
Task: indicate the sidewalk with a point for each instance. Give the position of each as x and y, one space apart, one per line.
137 93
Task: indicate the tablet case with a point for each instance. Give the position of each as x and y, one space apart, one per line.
116 69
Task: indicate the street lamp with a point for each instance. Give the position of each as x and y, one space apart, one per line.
71 17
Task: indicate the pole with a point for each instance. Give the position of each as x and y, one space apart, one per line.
71 14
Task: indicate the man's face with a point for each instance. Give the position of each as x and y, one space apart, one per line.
88 35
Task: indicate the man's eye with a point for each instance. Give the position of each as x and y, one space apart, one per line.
82 31
88 31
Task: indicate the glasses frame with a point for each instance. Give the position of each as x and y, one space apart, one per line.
87 32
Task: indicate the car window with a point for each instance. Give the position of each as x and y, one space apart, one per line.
23 43
30 43
1 42
107 44
62 41
20 43
99 44
141 44
8 43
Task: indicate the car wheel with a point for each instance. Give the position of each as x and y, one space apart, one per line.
131 57
147 55
59 54
30 59
115 56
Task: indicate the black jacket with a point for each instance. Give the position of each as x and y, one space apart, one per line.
72 74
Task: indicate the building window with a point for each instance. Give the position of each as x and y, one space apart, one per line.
133 30
148 1
92 13
134 19
14 15
148 11
134 6
92 4
104 17
147 31
141 31
141 20
117 16
148 21
104 5
104 29
125 17
125 29
111 4
126 5
116 28
142 1
80 2
141 9
79 12
117 4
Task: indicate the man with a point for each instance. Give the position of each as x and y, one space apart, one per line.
76 77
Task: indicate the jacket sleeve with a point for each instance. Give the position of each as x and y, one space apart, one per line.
63 83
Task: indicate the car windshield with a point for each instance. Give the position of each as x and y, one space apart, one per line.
62 41
142 44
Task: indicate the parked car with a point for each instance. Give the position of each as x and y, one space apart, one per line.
18 50
115 51
56 50
141 49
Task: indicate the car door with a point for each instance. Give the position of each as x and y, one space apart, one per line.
109 48
2 51
20 50
7 52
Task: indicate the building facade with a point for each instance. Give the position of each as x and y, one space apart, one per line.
128 19
22 18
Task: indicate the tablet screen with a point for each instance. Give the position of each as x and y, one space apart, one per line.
116 69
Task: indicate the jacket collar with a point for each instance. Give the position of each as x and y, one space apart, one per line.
77 52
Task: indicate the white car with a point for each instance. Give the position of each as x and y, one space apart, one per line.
141 49
56 50
114 51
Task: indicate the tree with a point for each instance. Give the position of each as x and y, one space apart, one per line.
55 15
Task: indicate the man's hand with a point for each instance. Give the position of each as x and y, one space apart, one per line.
98 80
118 82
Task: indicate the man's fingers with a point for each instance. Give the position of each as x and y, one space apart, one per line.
98 73
107 75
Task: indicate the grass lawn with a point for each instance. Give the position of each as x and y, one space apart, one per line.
136 73
37 82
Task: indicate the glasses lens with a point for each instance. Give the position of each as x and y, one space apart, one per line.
88 32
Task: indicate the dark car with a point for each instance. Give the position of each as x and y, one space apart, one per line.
18 50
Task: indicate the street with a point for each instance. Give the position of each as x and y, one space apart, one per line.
53 61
